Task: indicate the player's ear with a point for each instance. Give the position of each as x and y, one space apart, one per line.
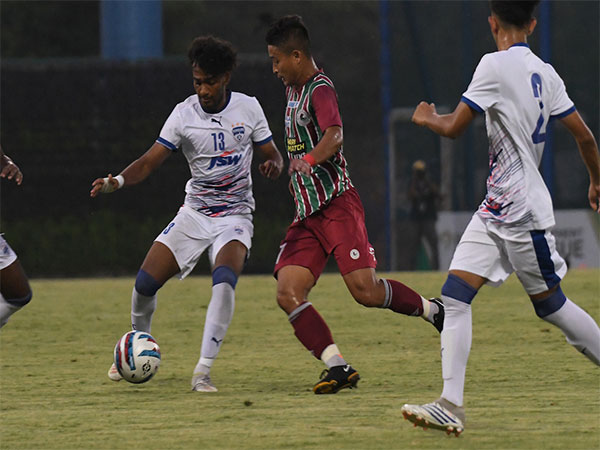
296 54
493 24
531 26
227 77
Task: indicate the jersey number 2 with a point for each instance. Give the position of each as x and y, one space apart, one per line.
536 84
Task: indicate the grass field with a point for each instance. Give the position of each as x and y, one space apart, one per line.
526 388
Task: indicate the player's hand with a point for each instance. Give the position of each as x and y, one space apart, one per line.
271 169
299 165
104 185
11 171
423 112
594 197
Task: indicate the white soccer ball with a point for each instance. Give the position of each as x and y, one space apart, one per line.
137 356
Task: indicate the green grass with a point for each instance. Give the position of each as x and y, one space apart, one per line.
526 388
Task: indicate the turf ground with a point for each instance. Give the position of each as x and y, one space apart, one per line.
526 388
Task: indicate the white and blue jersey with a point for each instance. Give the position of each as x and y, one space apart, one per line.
519 94
218 148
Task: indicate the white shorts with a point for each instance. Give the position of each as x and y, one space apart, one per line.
191 232
7 254
494 252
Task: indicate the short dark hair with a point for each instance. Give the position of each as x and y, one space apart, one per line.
289 33
516 13
213 55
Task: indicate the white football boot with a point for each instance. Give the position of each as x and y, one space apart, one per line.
114 374
201 383
439 415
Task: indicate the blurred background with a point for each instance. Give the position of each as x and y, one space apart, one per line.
87 85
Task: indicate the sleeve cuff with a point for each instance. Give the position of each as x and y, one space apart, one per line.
471 104
167 144
572 109
264 141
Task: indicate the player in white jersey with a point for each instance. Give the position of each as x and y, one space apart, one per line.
510 232
14 285
216 131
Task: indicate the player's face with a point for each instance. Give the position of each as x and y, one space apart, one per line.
284 65
211 90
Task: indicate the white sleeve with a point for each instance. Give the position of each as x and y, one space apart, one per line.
561 105
261 133
484 90
170 135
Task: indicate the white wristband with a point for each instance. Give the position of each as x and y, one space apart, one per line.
108 187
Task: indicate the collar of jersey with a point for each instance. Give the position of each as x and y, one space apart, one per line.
318 72
221 110
520 44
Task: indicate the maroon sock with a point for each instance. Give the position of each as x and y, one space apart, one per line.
312 331
404 300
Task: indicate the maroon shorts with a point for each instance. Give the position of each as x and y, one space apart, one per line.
339 228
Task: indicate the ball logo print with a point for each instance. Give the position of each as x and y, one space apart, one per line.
137 356
354 254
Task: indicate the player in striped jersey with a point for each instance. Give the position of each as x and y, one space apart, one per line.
329 215
217 131
511 231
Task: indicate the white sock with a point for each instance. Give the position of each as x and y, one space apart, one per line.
142 308
456 345
6 310
332 357
430 309
579 328
218 317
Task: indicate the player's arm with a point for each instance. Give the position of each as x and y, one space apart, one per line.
8 169
135 172
273 162
449 125
588 148
330 143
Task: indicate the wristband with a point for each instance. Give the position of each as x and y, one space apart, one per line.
121 180
107 187
310 159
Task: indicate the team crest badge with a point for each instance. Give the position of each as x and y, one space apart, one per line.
303 118
238 131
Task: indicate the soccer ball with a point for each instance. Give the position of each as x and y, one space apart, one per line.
137 356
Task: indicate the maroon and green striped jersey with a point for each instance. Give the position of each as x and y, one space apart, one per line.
309 112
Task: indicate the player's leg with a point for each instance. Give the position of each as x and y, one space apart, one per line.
477 260
579 328
14 289
355 256
370 291
447 412
228 266
293 285
540 269
158 267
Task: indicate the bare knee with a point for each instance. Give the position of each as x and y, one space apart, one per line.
367 294
288 299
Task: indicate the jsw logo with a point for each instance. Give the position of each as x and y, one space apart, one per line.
224 160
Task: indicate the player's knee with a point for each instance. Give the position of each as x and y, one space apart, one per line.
550 304
20 302
458 289
224 274
366 294
146 284
287 299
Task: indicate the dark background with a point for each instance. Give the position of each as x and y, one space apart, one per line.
67 116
